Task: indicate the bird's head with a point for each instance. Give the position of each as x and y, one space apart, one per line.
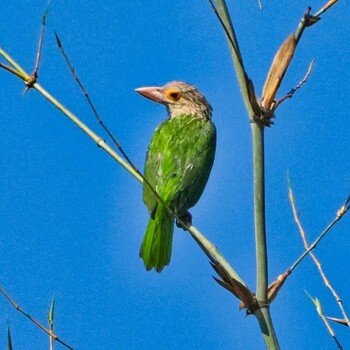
179 98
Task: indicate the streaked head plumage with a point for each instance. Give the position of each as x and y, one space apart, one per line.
179 98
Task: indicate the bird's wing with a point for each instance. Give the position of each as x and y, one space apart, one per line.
178 162
197 165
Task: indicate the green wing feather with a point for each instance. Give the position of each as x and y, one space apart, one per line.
178 163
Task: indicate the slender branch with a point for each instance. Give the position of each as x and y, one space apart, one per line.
12 71
245 84
25 76
50 317
34 77
341 212
313 256
41 40
319 310
37 323
291 93
9 340
325 7
308 20
85 93
97 139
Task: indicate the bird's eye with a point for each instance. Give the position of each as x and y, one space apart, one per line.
173 94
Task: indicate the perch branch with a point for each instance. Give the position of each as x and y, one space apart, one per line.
209 249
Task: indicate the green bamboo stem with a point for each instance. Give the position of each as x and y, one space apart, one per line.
262 314
268 332
259 212
236 56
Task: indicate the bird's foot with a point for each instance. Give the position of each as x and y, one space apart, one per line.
186 219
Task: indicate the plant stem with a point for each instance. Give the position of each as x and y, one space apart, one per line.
263 313
266 326
259 212
236 55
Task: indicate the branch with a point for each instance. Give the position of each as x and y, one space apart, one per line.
280 280
319 310
37 323
309 20
258 121
35 74
313 256
245 84
94 111
208 248
340 213
293 90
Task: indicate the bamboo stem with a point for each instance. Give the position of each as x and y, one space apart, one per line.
259 212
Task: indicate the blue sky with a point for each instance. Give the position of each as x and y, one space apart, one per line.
72 219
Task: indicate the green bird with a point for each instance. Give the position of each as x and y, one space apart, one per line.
178 163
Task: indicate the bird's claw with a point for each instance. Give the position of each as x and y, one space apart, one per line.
186 221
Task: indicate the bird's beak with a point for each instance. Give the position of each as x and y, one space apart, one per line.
153 93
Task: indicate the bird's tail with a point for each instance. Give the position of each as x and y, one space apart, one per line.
156 245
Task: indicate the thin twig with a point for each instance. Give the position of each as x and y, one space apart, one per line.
319 310
9 340
313 256
293 90
41 40
326 7
37 323
13 71
308 20
341 212
34 76
85 93
50 317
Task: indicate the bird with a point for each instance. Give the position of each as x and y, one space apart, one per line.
178 163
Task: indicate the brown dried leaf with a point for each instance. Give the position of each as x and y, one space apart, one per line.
238 289
276 285
277 71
